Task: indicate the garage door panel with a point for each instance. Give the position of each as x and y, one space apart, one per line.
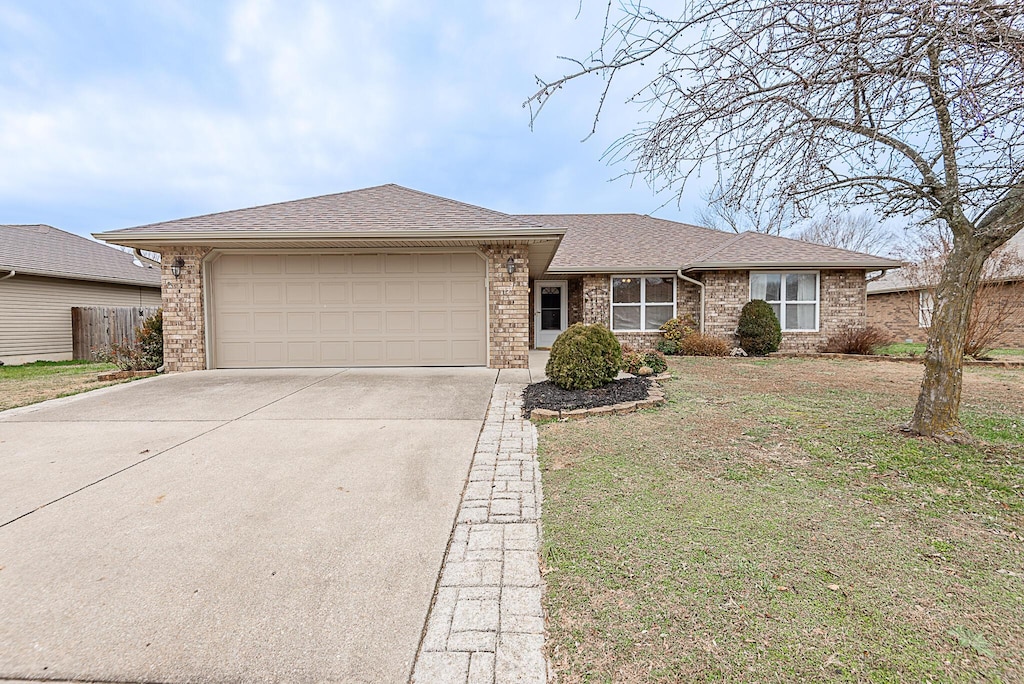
366 293
333 293
267 294
432 263
466 292
367 352
266 264
366 264
433 321
334 264
335 323
431 292
367 323
335 353
399 292
301 264
309 309
297 294
301 353
268 353
301 323
264 323
400 263
401 322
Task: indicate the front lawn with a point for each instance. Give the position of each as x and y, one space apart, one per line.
770 524
30 383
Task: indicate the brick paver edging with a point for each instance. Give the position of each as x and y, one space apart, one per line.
486 624
655 397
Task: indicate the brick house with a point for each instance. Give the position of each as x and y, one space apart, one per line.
903 308
388 276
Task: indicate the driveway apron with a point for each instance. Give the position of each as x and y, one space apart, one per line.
232 525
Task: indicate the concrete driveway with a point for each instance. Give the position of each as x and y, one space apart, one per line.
232 525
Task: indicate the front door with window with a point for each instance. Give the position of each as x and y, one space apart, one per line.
551 315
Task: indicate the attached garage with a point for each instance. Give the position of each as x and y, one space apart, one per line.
330 308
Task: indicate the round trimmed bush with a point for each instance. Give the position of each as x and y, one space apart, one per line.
759 330
633 361
584 357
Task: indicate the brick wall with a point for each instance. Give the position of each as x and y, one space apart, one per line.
508 301
896 313
596 308
843 304
184 325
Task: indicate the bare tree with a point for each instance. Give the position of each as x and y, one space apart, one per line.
913 108
996 309
858 232
723 214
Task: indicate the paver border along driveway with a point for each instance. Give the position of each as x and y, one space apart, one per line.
232 525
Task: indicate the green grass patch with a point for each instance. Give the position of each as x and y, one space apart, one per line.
917 349
772 523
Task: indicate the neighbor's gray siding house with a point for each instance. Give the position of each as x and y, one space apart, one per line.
44 272
388 276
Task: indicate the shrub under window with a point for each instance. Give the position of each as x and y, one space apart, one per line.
792 296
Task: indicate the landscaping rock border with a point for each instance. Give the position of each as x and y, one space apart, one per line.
655 397
124 375
996 363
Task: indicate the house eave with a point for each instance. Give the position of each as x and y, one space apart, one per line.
215 237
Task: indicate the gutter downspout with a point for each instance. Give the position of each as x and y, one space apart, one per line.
701 286
9 275
143 258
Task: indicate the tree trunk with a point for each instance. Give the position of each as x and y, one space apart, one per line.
938 404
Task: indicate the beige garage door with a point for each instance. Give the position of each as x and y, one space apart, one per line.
304 310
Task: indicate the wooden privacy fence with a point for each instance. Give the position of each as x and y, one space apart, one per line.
95 327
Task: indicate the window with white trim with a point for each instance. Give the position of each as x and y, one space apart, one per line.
792 296
925 308
642 302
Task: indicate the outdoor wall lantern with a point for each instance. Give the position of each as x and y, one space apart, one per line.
176 266
510 266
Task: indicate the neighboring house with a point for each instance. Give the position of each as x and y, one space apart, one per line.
899 305
44 272
388 276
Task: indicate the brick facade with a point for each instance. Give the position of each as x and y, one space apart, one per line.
843 295
508 301
596 308
897 314
184 321
843 305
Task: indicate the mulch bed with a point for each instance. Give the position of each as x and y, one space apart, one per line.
548 395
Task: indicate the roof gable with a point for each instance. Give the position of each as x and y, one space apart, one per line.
47 251
381 209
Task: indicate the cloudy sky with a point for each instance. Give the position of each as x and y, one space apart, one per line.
116 113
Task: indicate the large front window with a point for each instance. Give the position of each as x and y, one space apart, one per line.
793 297
642 302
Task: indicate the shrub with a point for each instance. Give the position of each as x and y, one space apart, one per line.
584 357
677 328
759 330
145 352
856 341
633 361
668 347
699 344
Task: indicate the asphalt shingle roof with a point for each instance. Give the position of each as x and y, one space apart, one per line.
46 251
383 208
618 242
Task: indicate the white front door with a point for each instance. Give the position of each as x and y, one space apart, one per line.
551 311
